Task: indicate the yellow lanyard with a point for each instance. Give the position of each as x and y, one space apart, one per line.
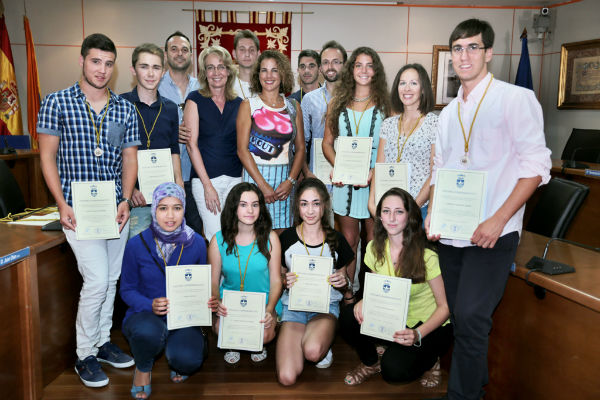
304 243
144 123
241 88
163 256
400 134
464 159
357 125
102 120
237 254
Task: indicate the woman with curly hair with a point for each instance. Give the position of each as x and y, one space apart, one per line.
210 113
308 335
246 254
359 105
399 248
270 136
409 136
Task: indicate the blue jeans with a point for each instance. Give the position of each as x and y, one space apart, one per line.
148 335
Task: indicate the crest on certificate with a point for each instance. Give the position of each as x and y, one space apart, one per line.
391 172
354 144
460 181
387 285
311 265
243 301
153 158
188 275
94 190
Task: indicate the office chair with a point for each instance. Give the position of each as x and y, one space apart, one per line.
557 207
11 197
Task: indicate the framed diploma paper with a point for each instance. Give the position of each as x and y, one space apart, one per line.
389 175
458 203
352 160
154 167
321 166
95 207
385 305
188 291
311 292
241 329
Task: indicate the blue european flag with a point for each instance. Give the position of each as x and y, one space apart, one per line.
524 71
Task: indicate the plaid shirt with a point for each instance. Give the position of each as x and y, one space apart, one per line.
65 114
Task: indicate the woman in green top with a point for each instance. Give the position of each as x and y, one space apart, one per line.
399 249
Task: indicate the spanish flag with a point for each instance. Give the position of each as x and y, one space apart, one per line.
33 86
10 110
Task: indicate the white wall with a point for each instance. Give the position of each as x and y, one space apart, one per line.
400 34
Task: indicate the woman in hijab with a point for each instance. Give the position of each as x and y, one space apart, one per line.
168 241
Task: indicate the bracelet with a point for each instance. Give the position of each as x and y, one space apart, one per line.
418 342
349 298
292 180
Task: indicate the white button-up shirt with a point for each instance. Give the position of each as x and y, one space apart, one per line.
507 141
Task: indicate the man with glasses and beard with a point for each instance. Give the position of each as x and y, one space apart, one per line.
175 85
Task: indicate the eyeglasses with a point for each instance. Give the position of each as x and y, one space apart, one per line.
336 63
471 48
212 68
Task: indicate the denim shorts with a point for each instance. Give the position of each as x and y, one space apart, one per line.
304 316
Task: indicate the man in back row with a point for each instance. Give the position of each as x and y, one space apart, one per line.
88 133
246 49
309 63
495 127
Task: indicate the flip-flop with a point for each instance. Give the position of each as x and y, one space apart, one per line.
260 356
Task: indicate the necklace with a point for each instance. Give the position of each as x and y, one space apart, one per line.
237 254
410 133
163 256
272 104
357 100
357 125
304 243
465 159
98 151
144 123
241 88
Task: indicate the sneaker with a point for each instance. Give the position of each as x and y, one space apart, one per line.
111 354
90 372
326 361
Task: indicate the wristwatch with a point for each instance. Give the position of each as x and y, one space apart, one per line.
129 203
292 180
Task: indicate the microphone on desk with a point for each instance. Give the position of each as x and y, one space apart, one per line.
571 163
554 267
7 149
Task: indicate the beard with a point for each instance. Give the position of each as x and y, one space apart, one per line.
311 81
176 67
92 84
334 79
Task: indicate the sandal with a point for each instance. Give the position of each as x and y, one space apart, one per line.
177 378
359 374
260 356
146 389
433 377
380 350
232 357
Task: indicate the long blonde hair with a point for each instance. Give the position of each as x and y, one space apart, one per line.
226 58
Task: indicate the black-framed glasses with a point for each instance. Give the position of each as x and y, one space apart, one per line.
471 48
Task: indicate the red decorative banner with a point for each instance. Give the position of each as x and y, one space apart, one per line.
271 35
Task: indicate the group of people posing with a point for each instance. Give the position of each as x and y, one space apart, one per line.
244 177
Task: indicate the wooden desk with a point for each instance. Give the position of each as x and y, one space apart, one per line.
25 166
548 348
38 304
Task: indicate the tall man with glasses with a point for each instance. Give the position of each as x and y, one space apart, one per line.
496 127
308 73
88 133
175 85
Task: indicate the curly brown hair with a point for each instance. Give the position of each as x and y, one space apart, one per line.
285 72
229 219
224 55
414 240
319 187
343 94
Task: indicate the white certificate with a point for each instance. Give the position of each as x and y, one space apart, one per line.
385 305
311 291
321 167
241 329
95 207
188 291
458 203
352 160
154 167
390 175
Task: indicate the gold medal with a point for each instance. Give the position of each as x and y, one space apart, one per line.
98 152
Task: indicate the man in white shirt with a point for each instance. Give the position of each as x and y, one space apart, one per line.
246 49
496 127
175 85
